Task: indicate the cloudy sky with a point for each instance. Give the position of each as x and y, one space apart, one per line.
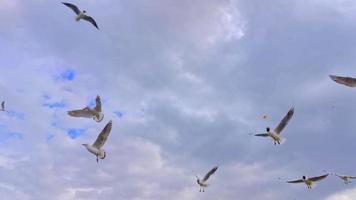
184 82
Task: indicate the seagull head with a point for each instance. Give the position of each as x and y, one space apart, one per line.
267 129
84 11
304 177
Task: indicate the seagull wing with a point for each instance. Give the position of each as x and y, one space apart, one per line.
211 172
103 136
262 134
284 121
348 81
73 7
98 104
352 177
318 178
91 20
81 113
296 181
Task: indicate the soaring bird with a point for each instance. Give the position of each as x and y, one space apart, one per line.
3 106
275 133
81 14
96 148
346 179
87 112
309 181
348 81
203 183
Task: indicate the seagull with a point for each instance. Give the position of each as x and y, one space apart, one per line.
87 112
348 81
3 106
309 181
96 148
274 134
203 183
81 14
346 179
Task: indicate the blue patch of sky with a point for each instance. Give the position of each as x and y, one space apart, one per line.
6 136
17 115
92 103
74 133
68 75
55 105
119 114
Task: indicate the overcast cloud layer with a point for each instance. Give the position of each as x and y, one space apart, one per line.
184 82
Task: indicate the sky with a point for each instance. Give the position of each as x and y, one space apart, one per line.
185 84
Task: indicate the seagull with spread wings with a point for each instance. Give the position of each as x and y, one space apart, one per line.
345 178
81 14
96 148
344 80
275 133
203 183
309 181
87 112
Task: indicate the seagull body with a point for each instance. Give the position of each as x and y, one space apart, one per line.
275 133
348 81
96 148
81 14
309 181
203 182
87 112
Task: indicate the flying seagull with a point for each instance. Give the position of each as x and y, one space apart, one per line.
96 148
87 112
81 14
346 179
3 106
348 81
203 183
275 133
309 181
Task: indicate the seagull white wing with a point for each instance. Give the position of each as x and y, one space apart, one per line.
348 81
284 121
91 20
73 7
296 181
81 113
211 172
318 178
103 136
98 104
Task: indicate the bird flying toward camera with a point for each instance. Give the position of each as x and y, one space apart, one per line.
203 182
87 112
309 181
275 133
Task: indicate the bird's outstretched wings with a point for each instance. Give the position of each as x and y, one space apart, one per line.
103 136
284 121
262 134
296 181
211 172
98 104
73 7
318 178
81 113
91 20
348 81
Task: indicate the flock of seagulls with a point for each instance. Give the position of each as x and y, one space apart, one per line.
97 115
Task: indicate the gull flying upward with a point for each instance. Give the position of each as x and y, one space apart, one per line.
87 112
96 148
348 81
275 133
203 183
3 106
81 14
309 181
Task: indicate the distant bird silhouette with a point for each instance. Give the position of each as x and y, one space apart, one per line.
309 181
